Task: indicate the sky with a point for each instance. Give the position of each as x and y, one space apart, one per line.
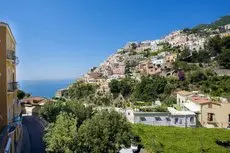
63 39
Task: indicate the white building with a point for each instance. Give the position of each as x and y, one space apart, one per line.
171 118
158 60
227 27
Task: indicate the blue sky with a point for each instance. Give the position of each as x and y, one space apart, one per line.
62 39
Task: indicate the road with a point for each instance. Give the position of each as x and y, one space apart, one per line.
36 132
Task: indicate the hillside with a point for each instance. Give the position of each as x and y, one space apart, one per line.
154 69
214 25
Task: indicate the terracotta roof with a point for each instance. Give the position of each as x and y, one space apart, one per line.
200 100
34 100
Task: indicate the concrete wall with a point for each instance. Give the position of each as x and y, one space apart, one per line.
181 99
167 120
3 83
221 115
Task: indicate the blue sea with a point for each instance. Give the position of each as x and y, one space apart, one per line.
43 88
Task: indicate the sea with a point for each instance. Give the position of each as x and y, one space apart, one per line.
43 88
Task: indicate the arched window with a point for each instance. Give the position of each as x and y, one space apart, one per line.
192 120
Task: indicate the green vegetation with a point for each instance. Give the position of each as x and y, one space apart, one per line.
104 133
217 86
21 94
177 140
149 88
60 136
220 22
50 111
76 128
80 90
124 86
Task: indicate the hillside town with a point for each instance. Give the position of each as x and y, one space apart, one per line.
132 56
192 108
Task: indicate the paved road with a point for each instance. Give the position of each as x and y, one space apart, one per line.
36 132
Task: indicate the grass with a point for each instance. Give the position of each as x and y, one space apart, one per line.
158 139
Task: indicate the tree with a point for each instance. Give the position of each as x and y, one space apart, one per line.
81 90
149 88
128 68
224 59
106 132
60 136
226 42
214 45
127 86
169 101
185 55
115 86
21 94
50 111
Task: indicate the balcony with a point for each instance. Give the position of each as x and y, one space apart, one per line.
12 86
11 56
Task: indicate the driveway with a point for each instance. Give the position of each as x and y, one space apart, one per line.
35 131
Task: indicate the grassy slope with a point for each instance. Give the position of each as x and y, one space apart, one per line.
182 140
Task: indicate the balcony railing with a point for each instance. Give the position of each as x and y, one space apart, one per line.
3 138
11 56
12 86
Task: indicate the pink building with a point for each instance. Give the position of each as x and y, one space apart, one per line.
148 68
170 58
120 70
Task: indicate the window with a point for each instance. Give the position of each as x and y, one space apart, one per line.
192 120
180 121
142 118
209 105
157 118
210 117
128 113
176 120
168 119
228 117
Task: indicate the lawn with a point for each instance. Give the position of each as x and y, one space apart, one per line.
158 139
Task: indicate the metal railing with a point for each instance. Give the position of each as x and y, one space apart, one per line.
3 138
11 55
12 86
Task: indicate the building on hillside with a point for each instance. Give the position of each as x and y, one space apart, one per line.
158 60
93 77
215 114
225 34
227 27
182 97
212 113
222 72
10 107
119 69
148 68
170 58
115 76
32 105
171 118
61 92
